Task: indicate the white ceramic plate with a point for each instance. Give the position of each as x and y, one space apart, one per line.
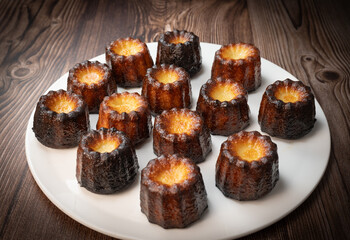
302 164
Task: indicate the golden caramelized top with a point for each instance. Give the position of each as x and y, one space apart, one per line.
89 75
178 39
107 144
124 103
288 94
61 103
171 173
248 148
224 91
166 76
180 122
127 47
236 51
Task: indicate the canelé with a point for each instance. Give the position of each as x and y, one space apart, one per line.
129 59
127 112
240 62
60 120
172 192
106 161
247 166
183 132
93 81
167 87
287 110
180 48
223 106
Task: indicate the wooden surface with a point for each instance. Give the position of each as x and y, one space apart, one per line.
41 40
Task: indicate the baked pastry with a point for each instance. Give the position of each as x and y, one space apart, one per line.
61 118
167 87
127 112
93 81
247 166
240 62
183 132
180 48
106 161
172 192
129 59
287 110
223 106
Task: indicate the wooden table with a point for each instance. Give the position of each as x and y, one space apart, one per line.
41 40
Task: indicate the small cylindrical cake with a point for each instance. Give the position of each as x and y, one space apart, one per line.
172 192
93 81
129 59
60 120
240 62
106 161
223 106
167 87
183 132
287 110
180 48
247 166
127 112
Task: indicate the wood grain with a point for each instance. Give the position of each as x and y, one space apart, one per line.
41 40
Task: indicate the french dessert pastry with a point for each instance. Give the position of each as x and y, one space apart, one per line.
167 87
247 166
129 59
172 192
240 62
106 161
93 81
223 106
127 112
60 120
180 48
183 132
287 110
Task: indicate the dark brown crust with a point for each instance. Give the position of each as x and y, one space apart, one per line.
223 118
246 71
167 96
175 206
129 71
244 180
136 124
186 55
92 94
60 130
108 172
196 145
287 120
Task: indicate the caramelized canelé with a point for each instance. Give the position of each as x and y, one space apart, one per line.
106 161
247 166
167 87
180 48
223 106
172 192
127 112
129 59
93 81
287 110
183 132
240 62
61 118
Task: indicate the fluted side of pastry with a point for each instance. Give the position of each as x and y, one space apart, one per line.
165 96
177 205
106 172
92 93
289 120
60 129
185 54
